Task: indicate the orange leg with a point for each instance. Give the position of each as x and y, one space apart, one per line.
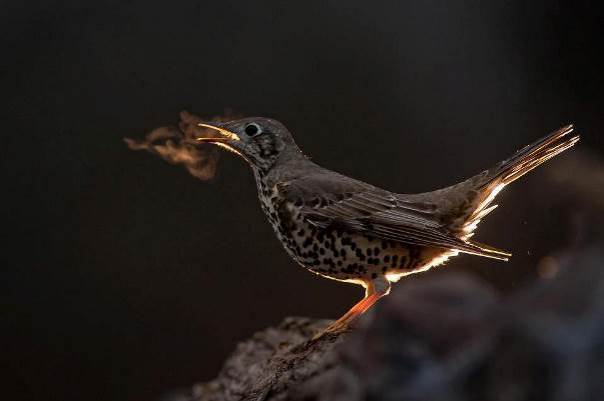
374 290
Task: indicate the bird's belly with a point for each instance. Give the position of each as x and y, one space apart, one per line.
351 256
346 255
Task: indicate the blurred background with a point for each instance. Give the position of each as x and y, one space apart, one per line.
125 277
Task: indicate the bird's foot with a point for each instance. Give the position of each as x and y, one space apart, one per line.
334 329
375 290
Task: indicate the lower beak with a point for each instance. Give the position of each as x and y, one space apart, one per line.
226 134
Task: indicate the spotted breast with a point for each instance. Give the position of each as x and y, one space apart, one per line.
338 253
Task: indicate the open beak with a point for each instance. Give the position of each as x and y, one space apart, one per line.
226 134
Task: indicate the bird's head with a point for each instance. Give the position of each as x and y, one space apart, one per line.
260 141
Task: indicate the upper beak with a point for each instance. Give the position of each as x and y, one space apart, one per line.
226 134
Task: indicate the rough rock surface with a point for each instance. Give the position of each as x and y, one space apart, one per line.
271 363
440 338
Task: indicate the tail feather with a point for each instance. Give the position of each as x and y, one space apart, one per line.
463 205
508 171
533 155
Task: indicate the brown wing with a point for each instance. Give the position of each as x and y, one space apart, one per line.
332 200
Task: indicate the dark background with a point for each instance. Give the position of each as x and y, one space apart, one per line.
125 277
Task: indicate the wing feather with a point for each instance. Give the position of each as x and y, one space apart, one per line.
374 212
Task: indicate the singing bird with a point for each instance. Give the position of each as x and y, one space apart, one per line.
348 230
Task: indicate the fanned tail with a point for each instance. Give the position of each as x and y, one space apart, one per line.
461 207
490 183
533 155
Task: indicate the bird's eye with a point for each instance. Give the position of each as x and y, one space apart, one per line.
252 129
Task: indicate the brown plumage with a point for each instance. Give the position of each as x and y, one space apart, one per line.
348 230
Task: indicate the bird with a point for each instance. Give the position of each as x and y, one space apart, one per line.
348 230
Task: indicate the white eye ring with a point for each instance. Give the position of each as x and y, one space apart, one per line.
252 129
